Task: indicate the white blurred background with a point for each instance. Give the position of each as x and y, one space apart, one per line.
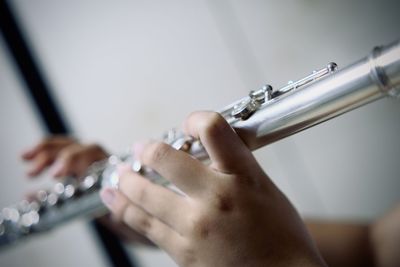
129 70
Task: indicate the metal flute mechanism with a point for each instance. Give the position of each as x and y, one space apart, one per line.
245 107
262 117
367 80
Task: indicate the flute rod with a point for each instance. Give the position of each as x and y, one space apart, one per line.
369 79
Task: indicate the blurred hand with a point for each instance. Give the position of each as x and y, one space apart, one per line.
232 213
64 155
385 236
360 244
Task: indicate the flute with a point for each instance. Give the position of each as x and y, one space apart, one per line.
263 117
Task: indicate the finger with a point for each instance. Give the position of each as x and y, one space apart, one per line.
154 199
67 167
95 153
69 162
42 160
226 150
60 168
52 143
28 154
86 156
46 145
32 152
74 160
139 220
184 171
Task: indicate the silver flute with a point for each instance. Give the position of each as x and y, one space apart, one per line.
263 117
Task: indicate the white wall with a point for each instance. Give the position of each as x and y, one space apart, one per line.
20 129
128 70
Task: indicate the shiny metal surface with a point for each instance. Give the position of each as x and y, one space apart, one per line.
262 117
366 80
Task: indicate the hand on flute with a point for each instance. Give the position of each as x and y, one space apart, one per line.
231 213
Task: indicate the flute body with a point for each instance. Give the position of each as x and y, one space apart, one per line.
367 80
261 118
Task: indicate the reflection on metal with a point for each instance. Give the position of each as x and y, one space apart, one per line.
270 116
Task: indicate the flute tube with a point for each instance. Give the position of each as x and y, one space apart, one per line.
366 80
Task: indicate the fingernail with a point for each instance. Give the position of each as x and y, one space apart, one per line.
108 196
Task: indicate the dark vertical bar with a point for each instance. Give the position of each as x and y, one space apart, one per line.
51 117
36 86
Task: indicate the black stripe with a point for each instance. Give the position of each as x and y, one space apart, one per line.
36 86
116 251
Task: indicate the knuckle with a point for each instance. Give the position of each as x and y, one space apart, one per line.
200 225
213 125
70 154
138 220
155 153
120 210
94 147
142 194
144 224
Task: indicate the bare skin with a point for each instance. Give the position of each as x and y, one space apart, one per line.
385 236
65 155
232 213
359 244
340 243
